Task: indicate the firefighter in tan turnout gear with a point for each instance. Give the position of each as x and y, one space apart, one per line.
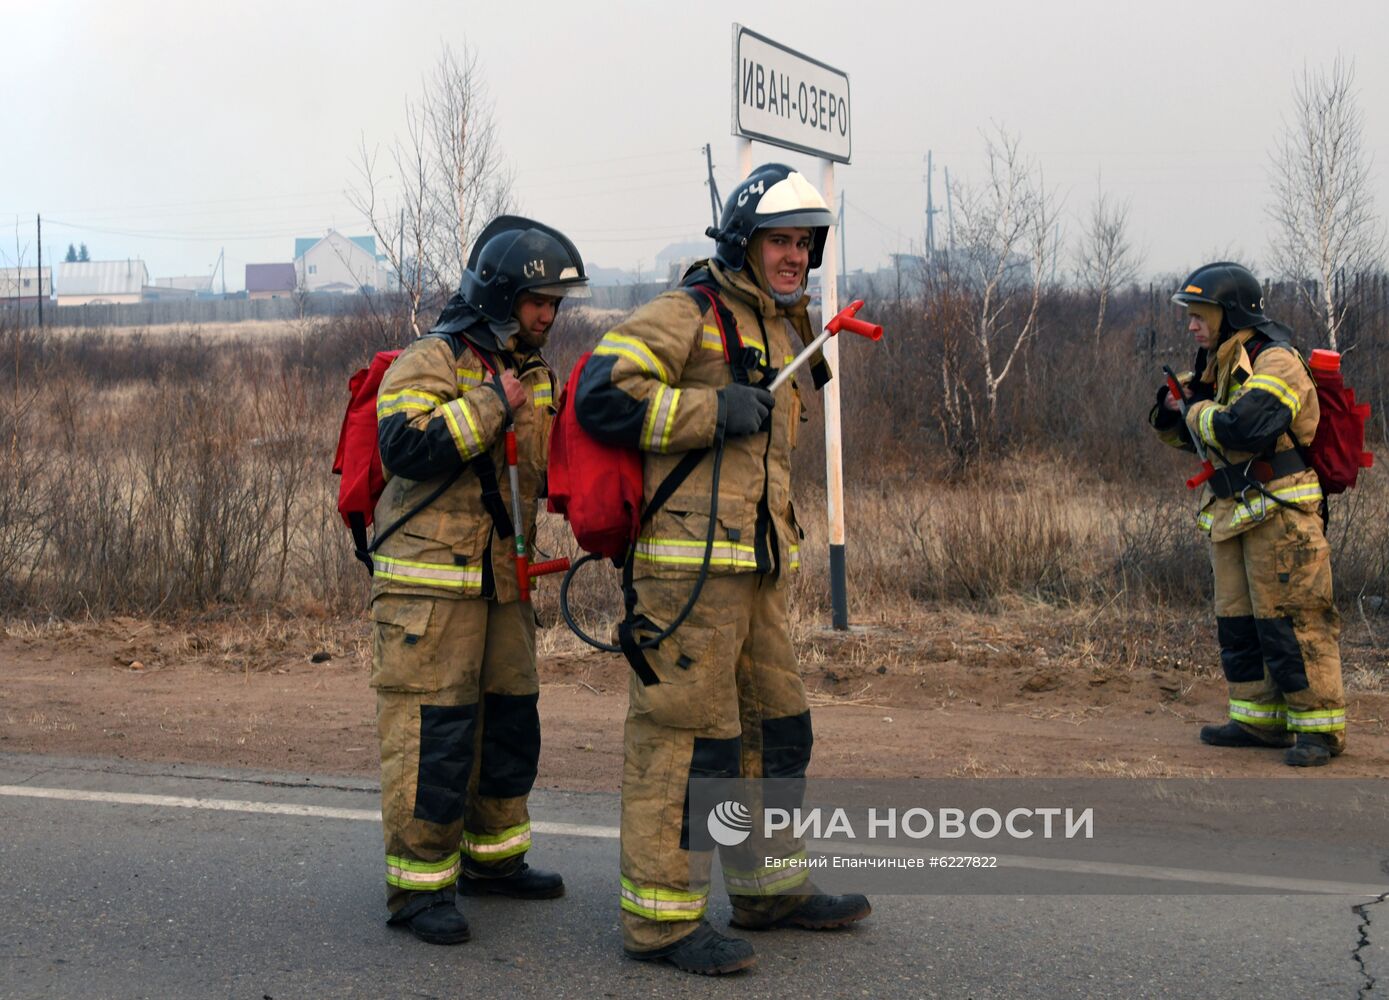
1253 405
453 649
722 695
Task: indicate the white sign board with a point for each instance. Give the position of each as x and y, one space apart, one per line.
786 99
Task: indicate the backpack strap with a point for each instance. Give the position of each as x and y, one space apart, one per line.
743 360
483 466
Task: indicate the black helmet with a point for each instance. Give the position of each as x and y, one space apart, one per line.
514 255
1231 287
771 196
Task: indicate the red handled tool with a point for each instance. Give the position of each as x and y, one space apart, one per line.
525 572
843 320
1179 394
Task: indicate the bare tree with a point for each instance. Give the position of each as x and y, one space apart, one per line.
473 183
1006 248
1322 199
1105 259
445 176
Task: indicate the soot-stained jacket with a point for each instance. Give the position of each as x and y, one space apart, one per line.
434 415
653 383
1263 407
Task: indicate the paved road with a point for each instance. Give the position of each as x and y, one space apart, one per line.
120 880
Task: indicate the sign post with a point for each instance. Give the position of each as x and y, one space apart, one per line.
787 99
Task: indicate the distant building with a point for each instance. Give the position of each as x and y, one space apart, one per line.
676 258
167 293
197 283
101 282
24 285
335 263
271 281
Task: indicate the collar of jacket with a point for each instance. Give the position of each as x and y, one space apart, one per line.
1225 355
744 288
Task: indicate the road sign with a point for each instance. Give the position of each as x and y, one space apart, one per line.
787 99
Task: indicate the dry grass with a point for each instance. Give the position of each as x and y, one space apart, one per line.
185 472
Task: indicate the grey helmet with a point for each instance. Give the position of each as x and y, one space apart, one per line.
772 196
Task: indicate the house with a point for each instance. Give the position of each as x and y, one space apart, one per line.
187 282
24 285
335 263
101 282
271 281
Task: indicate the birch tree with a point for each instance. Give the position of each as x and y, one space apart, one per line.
1323 204
438 183
1106 260
1006 248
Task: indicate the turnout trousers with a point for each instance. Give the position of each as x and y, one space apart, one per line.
457 713
1279 628
730 703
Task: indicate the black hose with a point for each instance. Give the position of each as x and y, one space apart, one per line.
667 632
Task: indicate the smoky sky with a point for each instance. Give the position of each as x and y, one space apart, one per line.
174 131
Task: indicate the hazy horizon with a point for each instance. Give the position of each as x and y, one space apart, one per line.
164 132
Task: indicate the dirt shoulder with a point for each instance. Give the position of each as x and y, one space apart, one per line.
1027 691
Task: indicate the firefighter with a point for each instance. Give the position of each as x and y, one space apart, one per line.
721 696
453 648
1253 405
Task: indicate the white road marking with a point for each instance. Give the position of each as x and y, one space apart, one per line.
1234 880
265 808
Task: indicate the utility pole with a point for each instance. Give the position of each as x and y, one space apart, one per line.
714 203
931 209
39 222
950 210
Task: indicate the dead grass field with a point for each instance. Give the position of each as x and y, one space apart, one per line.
177 584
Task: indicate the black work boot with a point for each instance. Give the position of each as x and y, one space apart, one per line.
1232 734
704 951
432 917
1312 750
524 883
819 912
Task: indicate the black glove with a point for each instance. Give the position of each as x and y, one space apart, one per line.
746 408
1160 417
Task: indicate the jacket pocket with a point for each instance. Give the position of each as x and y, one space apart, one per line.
677 539
439 550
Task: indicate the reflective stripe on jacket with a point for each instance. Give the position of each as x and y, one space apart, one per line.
1260 407
653 383
434 414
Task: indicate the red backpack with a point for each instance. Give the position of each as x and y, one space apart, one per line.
596 486
358 460
1338 450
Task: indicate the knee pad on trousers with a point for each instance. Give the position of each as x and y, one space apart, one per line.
1241 657
1283 654
446 758
786 744
709 759
510 745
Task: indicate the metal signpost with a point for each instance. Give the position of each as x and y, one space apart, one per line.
787 99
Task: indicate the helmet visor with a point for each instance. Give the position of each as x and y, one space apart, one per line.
570 290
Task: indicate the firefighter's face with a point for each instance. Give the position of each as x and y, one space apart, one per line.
785 258
535 313
1203 323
